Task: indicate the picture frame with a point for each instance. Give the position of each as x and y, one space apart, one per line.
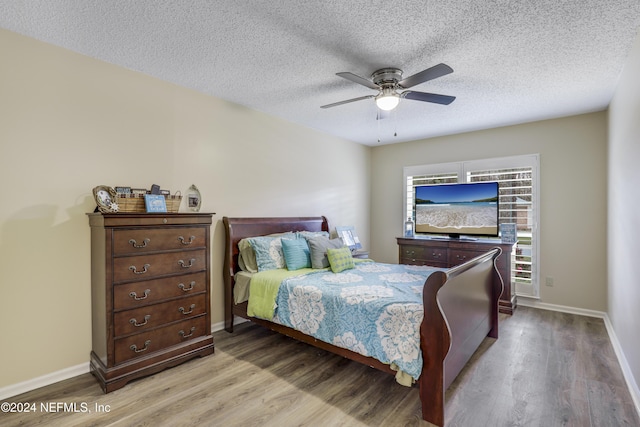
194 199
349 237
139 191
155 203
508 233
105 198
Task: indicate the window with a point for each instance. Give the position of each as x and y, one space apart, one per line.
517 178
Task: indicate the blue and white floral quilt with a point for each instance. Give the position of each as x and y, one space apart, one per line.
374 309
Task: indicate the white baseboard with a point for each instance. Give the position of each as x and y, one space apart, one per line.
632 385
48 379
73 371
535 303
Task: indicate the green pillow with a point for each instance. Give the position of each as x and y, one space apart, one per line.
340 259
247 257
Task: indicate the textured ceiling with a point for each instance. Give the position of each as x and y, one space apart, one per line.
514 61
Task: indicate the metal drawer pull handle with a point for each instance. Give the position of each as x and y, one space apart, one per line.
135 323
137 298
192 284
182 263
144 269
136 245
145 348
436 255
461 257
193 328
191 239
181 309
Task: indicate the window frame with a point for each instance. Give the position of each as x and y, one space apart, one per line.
461 169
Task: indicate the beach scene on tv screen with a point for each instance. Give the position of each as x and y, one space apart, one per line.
457 209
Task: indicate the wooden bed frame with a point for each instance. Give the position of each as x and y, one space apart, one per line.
460 310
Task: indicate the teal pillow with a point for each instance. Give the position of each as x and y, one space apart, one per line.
340 259
296 254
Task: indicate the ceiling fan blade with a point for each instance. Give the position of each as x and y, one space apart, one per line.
428 97
357 79
335 104
426 75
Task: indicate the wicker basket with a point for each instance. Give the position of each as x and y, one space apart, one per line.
173 202
135 203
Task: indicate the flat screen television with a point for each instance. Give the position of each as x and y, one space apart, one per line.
469 209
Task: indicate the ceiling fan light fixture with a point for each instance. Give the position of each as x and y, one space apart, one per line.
387 100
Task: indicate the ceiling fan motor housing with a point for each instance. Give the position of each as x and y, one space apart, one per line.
386 77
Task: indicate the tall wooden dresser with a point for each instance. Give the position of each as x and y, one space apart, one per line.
150 293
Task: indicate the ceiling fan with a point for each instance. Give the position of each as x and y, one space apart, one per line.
388 81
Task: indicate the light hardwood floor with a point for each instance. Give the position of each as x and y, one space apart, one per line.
547 369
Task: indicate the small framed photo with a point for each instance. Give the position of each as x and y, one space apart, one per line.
349 237
138 191
155 203
165 192
105 198
508 233
194 200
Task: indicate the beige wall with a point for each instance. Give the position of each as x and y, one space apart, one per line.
624 213
69 123
573 193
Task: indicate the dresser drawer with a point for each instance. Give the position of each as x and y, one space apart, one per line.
416 255
436 254
412 253
144 267
148 342
135 241
457 257
138 294
151 316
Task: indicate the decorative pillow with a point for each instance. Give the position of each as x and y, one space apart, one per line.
268 250
311 234
340 259
296 254
247 257
318 247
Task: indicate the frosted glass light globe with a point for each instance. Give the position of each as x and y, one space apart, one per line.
387 102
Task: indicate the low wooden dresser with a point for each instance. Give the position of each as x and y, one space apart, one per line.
451 252
150 293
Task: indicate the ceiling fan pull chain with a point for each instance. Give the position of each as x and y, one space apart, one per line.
395 123
378 124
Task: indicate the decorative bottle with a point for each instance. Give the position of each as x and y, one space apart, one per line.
408 228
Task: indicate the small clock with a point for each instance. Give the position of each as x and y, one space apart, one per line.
105 199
